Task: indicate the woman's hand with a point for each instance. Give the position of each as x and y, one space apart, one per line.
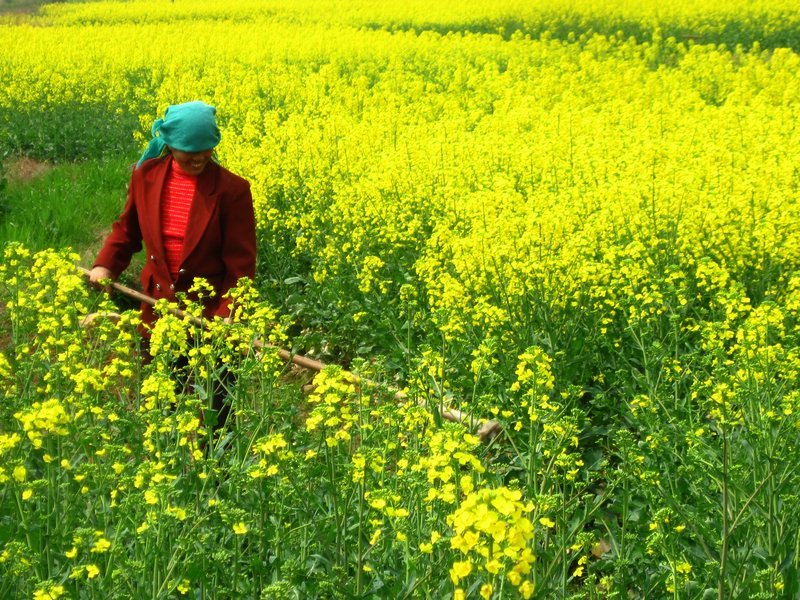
99 274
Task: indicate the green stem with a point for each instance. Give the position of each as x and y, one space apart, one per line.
332 473
675 594
723 559
625 503
360 541
563 544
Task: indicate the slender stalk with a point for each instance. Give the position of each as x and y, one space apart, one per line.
563 543
625 507
674 571
723 558
334 499
531 462
360 541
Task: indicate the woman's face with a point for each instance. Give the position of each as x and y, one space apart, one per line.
192 163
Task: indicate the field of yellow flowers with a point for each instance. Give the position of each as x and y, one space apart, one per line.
579 219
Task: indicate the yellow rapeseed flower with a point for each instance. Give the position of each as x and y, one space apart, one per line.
240 528
52 592
460 570
100 546
547 522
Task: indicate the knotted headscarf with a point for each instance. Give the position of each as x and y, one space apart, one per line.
189 127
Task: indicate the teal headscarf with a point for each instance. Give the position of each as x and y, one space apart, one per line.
189 127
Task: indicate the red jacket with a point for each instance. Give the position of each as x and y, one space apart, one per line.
220 242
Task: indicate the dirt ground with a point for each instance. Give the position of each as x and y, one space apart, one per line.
19 6
24 169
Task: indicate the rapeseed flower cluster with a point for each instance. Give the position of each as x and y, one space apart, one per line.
450 464
42 419
269 452
336 407
492 533
534 383
169 337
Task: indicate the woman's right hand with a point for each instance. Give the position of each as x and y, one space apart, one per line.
98 274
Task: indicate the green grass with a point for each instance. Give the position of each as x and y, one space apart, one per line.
69 205
73 132
73 182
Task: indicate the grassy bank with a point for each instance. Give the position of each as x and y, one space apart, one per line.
64 205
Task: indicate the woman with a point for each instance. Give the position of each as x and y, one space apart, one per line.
194 217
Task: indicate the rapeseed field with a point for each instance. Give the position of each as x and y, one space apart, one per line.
579 220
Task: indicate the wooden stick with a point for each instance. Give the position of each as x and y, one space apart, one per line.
487 430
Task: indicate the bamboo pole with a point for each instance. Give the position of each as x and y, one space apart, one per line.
487 429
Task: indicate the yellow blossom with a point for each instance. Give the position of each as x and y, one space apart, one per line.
51 593
375 535
240 528
547 522
526 589
100 545
460 570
